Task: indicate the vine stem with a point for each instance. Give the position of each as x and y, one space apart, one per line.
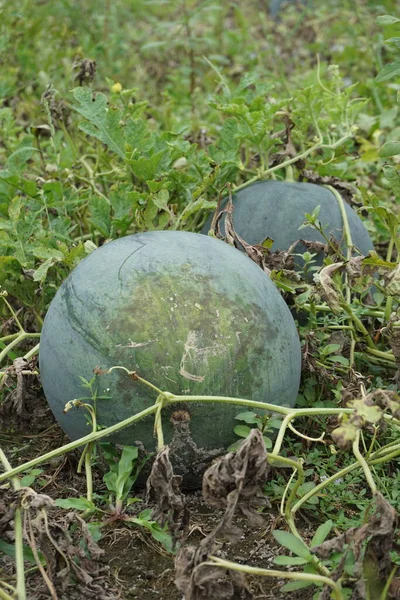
319 145
91 437
171 399
350 246
19 535
376 458
389 299
21 337
4 595
311 577
363 462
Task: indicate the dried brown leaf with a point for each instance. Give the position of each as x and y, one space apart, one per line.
163 490
329 289
239 477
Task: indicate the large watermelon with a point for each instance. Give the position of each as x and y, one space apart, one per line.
190 314
276 209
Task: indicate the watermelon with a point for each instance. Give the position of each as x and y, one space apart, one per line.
276 209
188 313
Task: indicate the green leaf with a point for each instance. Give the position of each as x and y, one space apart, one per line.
242 430
393 177
322 533
292 543
100 217
248 417
125 466
44 253
76 503
330 349
161 535
267 442
147 168
137 136
28 480
296 585
16 161
9 550
9 266
103 122
393 40
161 200
289 560
389 149
41 273
342 360
387 20
110 480
390 70
14 210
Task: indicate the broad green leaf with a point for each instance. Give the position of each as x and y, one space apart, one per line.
17 159
161 535
389 149
387 20
137 136
28 480
102 121
41 273
342 360
147 168
292 543
9 550
76 503
322 533
289 560
242 430
267 442
125 466
100 217
393 177
393 40
161 200
110 479
248 417
43 253
330 349
390 70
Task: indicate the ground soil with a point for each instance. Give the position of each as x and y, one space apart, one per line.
132 565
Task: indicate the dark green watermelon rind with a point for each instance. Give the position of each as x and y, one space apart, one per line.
276 209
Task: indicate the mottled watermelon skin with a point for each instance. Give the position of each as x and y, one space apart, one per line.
190 314
276 209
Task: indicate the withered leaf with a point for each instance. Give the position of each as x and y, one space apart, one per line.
163 490
329 289
244 473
